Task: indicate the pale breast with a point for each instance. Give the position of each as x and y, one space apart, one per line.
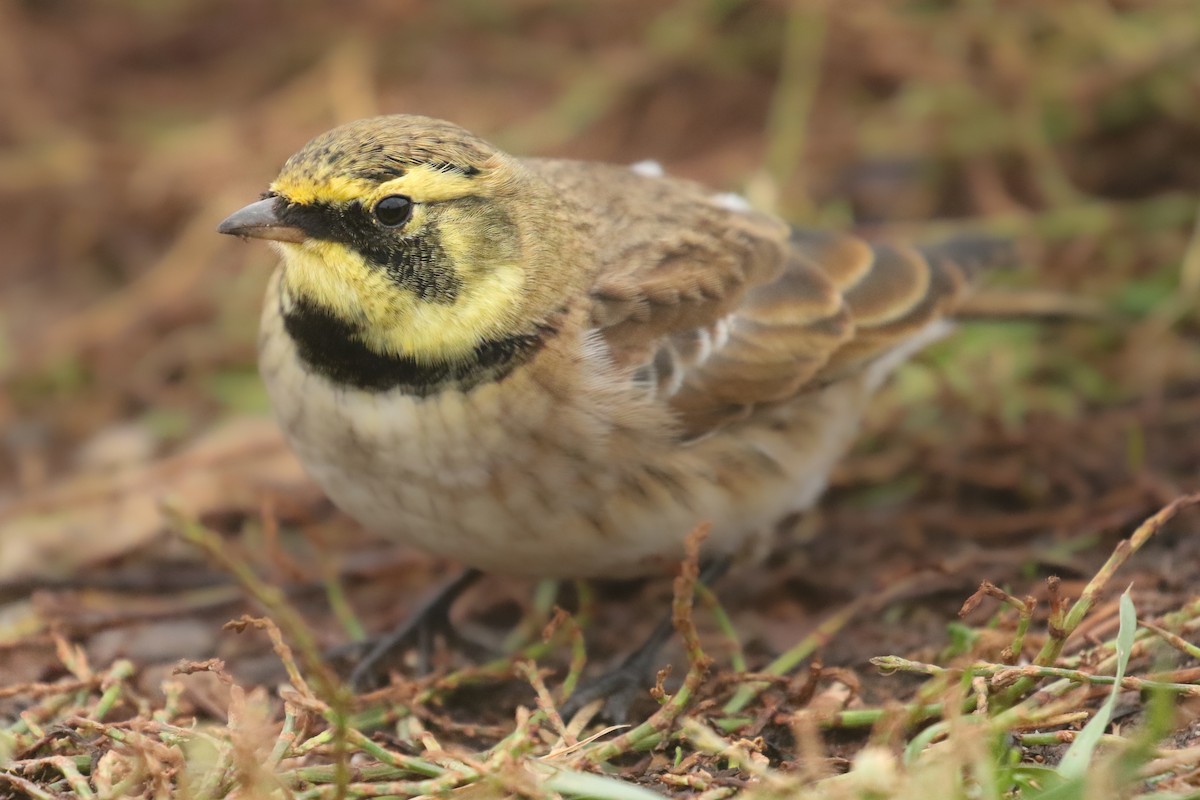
561 469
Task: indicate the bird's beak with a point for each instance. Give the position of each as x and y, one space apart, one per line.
261 221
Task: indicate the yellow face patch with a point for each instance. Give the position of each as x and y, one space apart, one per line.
388 316
393 320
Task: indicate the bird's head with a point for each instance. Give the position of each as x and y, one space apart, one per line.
413 233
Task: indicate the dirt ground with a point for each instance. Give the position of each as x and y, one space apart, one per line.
1016 451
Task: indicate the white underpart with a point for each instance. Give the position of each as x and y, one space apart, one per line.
883 366
732 201
648 168
563 478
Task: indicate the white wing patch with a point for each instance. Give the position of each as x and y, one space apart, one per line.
677 354
732 201
704 346
648 169
720 333
709 340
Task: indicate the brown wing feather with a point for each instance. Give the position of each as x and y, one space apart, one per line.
720 310
835 305
905 289
839 304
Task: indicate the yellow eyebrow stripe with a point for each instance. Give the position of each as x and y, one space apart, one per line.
426 184
334 189
423 183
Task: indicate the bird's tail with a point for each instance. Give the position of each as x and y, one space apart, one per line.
975 254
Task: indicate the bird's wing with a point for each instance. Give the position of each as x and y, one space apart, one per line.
720 309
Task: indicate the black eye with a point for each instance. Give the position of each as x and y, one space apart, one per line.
393 210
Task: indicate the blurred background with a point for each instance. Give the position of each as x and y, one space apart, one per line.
129 128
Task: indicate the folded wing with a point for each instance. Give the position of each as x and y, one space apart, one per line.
721 319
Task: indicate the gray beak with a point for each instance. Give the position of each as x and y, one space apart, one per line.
259 220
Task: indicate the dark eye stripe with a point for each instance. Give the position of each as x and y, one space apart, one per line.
322 220
417 263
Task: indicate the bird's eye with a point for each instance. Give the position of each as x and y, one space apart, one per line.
393 210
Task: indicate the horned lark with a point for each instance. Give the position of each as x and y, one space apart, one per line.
555 368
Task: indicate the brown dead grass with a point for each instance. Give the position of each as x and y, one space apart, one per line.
1011 454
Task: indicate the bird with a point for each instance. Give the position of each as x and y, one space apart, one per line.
554 368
